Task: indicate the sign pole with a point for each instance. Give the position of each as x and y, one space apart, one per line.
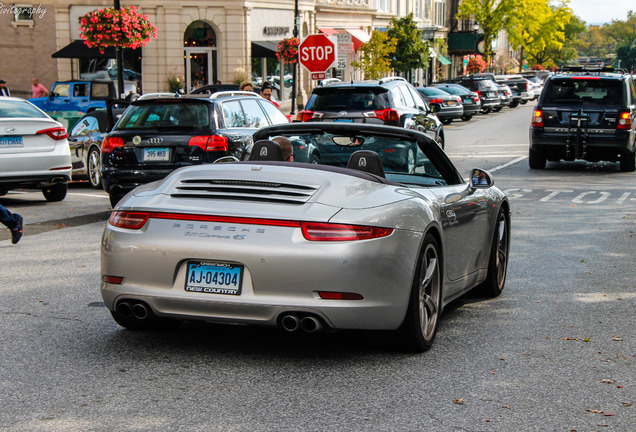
119 53
294 65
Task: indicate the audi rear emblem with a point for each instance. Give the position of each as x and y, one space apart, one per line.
155 140
342 113
9 130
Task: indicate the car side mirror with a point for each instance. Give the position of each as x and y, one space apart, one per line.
480 179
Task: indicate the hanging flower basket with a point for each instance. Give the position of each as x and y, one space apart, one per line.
126 28
475 65
288 50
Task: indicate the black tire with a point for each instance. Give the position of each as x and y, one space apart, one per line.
314 159
498 263
536 160
628 161
114 199
447 121
485 110
93 167
3 192
56 192
514 104
440 140
497 109
152 323
467 117
523 102
419 328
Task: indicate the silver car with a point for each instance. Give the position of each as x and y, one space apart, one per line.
34 151
381 235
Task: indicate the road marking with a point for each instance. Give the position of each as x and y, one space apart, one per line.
89 195
507 164
582 197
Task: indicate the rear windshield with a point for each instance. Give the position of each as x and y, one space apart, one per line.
592 91
351 99
486 85
455 90
432 91
162 114
17 108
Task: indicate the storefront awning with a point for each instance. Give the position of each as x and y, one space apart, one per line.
443 60
358 37
78 49
262 49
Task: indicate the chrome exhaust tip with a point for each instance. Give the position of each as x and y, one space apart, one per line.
311 324
290 323
124 309
140 311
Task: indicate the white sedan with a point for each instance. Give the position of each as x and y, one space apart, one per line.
34 150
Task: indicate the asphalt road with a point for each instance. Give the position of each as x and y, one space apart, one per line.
555 352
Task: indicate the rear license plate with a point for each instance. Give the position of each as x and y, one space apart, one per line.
214 278
156 154
450 103
11 142
468 100
344 120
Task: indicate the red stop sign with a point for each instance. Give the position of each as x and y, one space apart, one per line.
317 53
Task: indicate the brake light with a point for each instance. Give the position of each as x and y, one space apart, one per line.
537 118
388 114
333 295
458 99
316 231
306 115
57 133
436 101
209 143
110 143
624 120
128 220
478 93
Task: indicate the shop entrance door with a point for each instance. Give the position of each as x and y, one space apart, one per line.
200 67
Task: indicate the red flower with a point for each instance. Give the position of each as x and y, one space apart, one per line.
127 28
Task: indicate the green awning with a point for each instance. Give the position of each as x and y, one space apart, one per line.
443 60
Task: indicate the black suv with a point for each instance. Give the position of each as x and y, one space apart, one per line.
390 101
585 113
484 85
157 135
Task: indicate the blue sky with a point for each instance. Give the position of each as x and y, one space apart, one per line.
602 11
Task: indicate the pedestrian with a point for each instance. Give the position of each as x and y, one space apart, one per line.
246 86
13 221
266 92
37 89
4 91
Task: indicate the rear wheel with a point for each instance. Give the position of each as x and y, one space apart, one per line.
114 199
440 140
447 121
420 324
498 264
497 109
536 160
485 110
314 159
93 165
467 117
523 102
3 192
628 161
56 192
514 104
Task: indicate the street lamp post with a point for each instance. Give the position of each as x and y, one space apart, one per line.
295 64
119 59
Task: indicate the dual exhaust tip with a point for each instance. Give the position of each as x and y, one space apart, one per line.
137 310
309 323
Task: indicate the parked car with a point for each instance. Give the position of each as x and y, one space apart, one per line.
34 151
450 106
470 99
85 141
536 84
155 136
585 113
521 91
505 97
390 101
365 245
484 85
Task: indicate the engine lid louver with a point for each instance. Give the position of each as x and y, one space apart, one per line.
244 190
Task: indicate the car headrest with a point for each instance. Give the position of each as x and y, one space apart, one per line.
266 150
367 161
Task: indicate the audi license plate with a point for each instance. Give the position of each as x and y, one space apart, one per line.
214 278
156 154
11 142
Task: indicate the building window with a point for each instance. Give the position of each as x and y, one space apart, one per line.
382 5
427 9
22 14
440 13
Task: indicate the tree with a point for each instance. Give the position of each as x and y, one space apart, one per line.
573 32
492 16
375 55
537 28
411 52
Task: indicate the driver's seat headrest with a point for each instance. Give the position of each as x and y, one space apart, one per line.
367 161
266 150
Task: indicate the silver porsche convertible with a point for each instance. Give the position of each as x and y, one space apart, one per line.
380 234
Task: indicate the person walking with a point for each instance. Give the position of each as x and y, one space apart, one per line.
13 221
266 92
37 89
4 91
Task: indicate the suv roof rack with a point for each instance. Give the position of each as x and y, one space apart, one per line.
588 70
233 93
391 78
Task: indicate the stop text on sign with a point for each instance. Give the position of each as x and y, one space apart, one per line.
316 53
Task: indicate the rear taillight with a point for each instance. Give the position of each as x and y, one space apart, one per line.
478 93
458 99
110 143
624 120
537 118
436 101
306 115
209 143
317 231
128 220
57 133
388 114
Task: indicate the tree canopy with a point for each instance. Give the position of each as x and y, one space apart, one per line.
375 55
411 52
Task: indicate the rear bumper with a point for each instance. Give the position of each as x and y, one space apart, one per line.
597 146
121 181
35 181
450 113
